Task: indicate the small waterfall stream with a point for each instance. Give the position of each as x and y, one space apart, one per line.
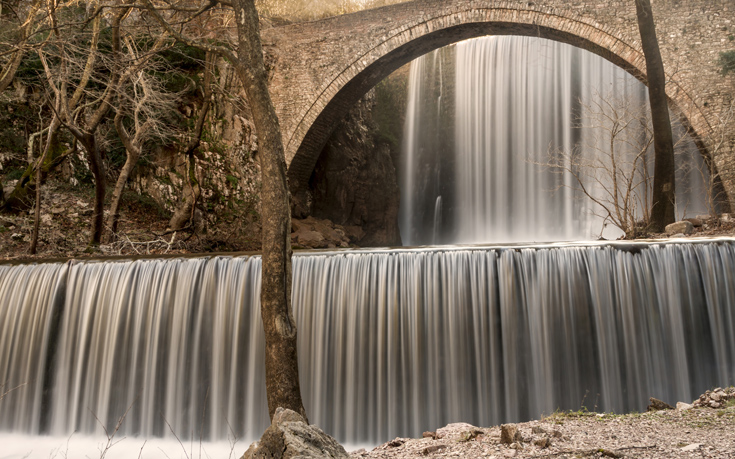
391 343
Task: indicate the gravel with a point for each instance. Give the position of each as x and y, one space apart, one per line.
701 432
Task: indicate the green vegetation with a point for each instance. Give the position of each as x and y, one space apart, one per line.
726 62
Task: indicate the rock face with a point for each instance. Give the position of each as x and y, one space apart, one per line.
354 182
289 436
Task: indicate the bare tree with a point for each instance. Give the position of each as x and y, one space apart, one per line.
17 34
610 165
140 99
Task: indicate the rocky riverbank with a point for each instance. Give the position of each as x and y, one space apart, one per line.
690 430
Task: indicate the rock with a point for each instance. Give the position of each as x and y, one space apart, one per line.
683 227
542 442
509 434
657 405
396 442
556 434
317 234
696 222
470 435
714 404
692 447
538 430
289 436
726 218
716 396
432 449
681 406
57 210
431 435
16 236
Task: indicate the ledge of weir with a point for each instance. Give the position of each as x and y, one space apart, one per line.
633 246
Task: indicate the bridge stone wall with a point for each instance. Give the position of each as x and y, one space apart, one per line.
321 68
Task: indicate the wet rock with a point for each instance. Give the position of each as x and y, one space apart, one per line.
683 227
289 436
509 434
658 405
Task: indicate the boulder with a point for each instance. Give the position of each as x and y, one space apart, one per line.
683 227
658 405
681 406
696 222
509 434
289 436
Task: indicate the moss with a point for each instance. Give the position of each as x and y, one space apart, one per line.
726 62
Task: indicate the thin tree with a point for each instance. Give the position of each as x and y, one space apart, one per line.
281 364
663 202
183 216
140 99
13 51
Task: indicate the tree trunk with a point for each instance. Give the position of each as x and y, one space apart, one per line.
127 169
39 180
663 209
184 214
22 196
95 165
281 364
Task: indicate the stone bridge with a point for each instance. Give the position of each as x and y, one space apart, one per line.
322 68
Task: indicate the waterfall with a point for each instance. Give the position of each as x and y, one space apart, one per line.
391 343
486 116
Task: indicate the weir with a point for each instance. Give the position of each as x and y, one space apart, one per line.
391 343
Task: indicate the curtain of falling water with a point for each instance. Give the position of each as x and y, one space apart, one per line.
390 343
479 145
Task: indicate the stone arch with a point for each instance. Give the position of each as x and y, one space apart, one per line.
309 128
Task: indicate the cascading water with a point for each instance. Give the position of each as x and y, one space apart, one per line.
484 117
390 343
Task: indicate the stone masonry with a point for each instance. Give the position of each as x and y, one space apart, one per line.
322 68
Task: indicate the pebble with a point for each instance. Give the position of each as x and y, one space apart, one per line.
692 447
